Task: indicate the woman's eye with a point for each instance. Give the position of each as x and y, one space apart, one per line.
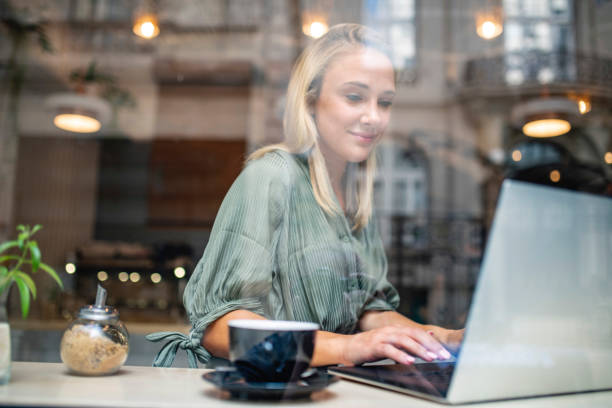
385 104
353 97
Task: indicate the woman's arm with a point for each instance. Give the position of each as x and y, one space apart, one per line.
375 319
398 343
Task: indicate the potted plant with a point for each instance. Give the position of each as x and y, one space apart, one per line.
94 82
18 260
91 80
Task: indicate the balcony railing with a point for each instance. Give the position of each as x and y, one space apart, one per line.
516 71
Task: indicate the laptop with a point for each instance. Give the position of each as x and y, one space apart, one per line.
540 322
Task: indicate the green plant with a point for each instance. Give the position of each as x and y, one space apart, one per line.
91 75
12 266
116 96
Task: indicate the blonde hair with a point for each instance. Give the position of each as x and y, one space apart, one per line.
300 129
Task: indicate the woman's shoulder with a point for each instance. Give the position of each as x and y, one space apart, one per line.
276 165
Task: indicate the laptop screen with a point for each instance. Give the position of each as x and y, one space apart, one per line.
540 316
539 323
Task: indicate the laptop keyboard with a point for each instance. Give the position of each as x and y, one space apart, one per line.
428 378
439 374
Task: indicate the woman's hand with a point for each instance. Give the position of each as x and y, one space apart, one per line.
451 339
399 343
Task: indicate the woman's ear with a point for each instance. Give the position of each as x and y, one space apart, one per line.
311 110
311 101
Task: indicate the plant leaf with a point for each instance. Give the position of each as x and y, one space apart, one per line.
36 228
5 283
24 296
21 239
8 244
28 281
35 253
51 272
9 257
21 228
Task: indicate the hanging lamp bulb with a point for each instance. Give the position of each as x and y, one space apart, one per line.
146 26
314 24
489 22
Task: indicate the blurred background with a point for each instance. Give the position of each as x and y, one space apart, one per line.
123 124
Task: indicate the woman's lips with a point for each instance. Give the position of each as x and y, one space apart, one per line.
365 137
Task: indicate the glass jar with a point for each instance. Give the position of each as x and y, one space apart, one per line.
5 341
96 343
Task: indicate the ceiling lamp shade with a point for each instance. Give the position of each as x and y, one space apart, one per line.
78 113
547 117
146 26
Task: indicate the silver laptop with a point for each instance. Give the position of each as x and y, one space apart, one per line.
540 322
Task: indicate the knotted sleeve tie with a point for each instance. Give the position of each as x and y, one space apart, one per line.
175 340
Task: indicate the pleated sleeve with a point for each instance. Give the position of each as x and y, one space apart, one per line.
383 296
236 269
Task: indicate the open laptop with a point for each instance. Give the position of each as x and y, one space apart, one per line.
540 322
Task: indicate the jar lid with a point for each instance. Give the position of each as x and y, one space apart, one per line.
98 313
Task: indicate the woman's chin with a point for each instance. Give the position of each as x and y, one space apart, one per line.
360 156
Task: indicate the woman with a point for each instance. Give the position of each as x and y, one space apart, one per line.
294 240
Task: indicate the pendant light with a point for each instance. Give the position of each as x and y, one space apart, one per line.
489 21
315 19
78 113
545 117
314 24
146 24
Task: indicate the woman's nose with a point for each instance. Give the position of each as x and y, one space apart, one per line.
371 116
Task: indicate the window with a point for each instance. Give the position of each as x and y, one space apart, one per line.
400 188
395 20
538 37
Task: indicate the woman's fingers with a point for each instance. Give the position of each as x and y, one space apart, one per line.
398 343
400 340
418 342
431 344
396 354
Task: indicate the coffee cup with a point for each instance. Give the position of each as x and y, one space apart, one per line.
271 350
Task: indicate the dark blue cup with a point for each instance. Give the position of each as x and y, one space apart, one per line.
271 350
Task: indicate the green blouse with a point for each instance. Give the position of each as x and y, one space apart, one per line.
275 252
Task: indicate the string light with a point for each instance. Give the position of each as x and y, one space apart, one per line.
555 176
179 272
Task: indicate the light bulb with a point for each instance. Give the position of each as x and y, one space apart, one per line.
546 127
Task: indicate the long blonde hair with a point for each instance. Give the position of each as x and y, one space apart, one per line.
300 130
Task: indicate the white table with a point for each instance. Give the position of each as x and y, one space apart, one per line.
49 384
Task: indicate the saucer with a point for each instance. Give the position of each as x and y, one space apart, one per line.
229 379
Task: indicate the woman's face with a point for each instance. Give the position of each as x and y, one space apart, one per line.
354 105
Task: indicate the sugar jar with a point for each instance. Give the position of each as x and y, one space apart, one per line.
96 343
